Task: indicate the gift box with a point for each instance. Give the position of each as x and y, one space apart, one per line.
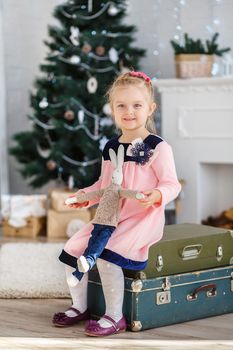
23 215
57 221
34 226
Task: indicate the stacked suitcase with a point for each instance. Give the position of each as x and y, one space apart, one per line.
189 276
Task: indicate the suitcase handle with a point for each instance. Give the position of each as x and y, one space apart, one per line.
191 251
211 291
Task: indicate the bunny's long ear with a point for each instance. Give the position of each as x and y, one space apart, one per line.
113 157
120 156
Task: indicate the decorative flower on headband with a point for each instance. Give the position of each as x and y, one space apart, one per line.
140 151
140 75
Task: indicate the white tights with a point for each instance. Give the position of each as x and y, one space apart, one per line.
112 279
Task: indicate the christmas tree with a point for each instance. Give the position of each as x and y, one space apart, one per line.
70 115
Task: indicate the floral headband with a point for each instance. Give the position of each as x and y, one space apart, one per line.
140 75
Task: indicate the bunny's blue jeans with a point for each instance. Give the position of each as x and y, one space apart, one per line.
96 244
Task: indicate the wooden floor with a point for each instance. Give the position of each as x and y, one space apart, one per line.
26 324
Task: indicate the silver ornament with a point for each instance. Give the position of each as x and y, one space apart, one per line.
107 109
43 103
75 59
113 10
44 153
106 122
81 116
113 55
74 37
92 85
103 142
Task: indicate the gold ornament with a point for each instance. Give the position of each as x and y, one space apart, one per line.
86 48
100 50
51 165
69 115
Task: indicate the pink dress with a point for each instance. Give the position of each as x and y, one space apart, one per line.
138 227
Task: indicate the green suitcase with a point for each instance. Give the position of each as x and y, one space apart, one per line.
187 247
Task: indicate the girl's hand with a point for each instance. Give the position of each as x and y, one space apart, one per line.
76 205
152 197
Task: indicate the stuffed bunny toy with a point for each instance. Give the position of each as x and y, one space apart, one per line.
107 214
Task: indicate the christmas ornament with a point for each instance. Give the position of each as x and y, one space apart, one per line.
69 115
107 109
43 103
103 142
113 55
92 85
106 121
75 59
86 48
71 182
113 10
51 165
81 116
100 50
44 153
74 37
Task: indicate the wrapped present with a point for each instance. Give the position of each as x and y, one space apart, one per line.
57 222
23 215
34 226
57 198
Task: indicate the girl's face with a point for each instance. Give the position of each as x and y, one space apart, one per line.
131 106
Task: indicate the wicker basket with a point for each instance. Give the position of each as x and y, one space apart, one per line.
193 65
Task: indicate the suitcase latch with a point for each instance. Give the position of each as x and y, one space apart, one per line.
166 285
159 263
219 253
163 297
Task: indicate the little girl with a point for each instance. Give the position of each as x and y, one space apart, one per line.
149 168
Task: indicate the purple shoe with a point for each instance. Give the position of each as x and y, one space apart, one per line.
94 329
62 320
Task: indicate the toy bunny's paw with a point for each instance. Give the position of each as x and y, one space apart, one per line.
71 200
140 195
83 265
72 281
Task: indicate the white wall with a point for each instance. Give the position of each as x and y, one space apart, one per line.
25 27
4 184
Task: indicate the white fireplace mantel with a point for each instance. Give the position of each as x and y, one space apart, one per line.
197 120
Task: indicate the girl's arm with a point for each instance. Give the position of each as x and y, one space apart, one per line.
95 187
165 170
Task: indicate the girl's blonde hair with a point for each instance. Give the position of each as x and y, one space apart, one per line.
126 79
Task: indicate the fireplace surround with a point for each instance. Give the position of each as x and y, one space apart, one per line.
197 120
